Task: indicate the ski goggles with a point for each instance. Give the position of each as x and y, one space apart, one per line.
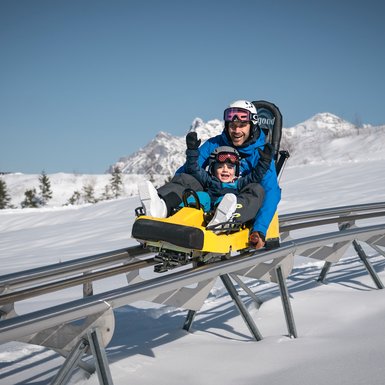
224 157
238 114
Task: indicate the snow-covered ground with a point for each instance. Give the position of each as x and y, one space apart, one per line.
341 324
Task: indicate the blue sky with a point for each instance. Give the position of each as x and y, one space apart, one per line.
85 82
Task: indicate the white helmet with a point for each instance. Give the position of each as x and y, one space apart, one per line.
243 105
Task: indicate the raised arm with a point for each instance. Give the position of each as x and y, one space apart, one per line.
192 154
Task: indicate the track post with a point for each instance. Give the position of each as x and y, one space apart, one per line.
189 320
241 307
247 290
324 271
101 362
71 361
286 303
364 258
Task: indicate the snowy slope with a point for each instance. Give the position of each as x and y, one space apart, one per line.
340 325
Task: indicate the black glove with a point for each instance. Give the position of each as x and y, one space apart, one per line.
192 141
267 153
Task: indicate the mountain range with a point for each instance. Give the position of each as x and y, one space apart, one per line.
324 139
312 141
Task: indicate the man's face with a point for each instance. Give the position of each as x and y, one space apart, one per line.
239 132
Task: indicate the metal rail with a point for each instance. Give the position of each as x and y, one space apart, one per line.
74 281
81 271
333 211
327 221
11 329
62 269
38 276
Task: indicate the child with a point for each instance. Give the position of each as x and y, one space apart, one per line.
233 197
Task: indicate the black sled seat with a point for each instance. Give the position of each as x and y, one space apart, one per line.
185 236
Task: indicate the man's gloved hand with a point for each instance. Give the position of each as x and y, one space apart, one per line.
192 141
257 240
267 153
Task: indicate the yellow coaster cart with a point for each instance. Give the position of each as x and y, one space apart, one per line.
183 238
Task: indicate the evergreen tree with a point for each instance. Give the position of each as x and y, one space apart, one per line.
30 200
75 199
89 194
45 188
5 198
107 195
116 182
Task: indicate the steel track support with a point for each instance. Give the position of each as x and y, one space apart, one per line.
247 290
189 319
88 289
286 303
364 258
324 271
101 362
239 304
379 251
71 362
93 342
241 307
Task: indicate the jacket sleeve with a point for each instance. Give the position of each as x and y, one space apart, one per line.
270 203
192 167
204 153
256 175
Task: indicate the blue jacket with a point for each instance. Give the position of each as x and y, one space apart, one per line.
249 159
213 186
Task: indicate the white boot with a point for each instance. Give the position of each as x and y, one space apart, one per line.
153 204
225 210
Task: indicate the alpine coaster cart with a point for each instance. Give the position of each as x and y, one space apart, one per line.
183 238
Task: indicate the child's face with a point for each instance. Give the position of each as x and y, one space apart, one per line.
225 172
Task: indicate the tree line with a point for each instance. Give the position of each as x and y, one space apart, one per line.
34 198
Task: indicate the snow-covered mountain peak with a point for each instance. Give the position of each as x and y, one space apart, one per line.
324 122
312 141
327 118
197 122
206 130
161 156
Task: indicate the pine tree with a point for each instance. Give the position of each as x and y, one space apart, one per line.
107 195
116 182
45 188
75 199
5 198
30 200
89 194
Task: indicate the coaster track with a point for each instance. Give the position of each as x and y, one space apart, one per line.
53 327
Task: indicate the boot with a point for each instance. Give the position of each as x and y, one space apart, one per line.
224 210
153 204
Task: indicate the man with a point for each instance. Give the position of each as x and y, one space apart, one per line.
242 132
